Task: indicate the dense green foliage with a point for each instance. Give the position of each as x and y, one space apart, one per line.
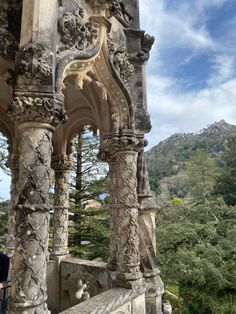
170 156
226 182
89 227
196 232
196 251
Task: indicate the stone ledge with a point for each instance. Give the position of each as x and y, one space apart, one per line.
110 301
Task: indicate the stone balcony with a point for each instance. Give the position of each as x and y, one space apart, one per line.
67 293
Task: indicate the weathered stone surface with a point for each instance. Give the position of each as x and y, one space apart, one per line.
62 166
114 301
93 274
92 54
31 234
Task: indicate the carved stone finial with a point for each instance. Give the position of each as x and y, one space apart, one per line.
36 109
75 32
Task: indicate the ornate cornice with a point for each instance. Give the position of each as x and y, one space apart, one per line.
36 109
75 32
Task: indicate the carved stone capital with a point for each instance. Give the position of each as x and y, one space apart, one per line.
36 109
34 61
75 32
61 163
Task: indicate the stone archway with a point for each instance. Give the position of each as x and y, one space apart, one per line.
79 62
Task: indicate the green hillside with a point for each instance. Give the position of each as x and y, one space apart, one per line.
170 156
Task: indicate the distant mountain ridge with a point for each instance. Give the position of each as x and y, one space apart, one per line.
169 156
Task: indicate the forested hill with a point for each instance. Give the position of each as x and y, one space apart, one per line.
170 156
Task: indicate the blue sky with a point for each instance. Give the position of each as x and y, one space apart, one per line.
192 69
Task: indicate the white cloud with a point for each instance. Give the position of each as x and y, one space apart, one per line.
182 27
174 111
223 67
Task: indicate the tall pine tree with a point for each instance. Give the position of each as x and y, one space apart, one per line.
226 182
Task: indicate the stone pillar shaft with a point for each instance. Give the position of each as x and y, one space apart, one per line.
62 166
128 259
14 166
28 294
112 262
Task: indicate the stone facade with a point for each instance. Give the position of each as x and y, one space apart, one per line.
65 64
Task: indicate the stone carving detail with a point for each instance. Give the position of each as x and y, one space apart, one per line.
81 294
122 65
34 61
36 109
14 166
127 216
75 32
115 8
8 41
31 231
62 166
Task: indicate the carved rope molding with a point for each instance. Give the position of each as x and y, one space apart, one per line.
75 32
36 109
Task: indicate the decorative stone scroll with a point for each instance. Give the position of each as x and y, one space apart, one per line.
75 32
36 109
34 61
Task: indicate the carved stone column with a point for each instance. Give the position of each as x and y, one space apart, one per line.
112 262
147 228
35 116
62 166
125 210
14 166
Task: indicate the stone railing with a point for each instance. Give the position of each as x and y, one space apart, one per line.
79 286
113 301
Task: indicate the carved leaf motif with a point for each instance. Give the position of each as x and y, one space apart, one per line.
75 32
37 109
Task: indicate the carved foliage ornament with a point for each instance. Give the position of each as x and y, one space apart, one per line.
35 61
122 65
36 109
75 32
